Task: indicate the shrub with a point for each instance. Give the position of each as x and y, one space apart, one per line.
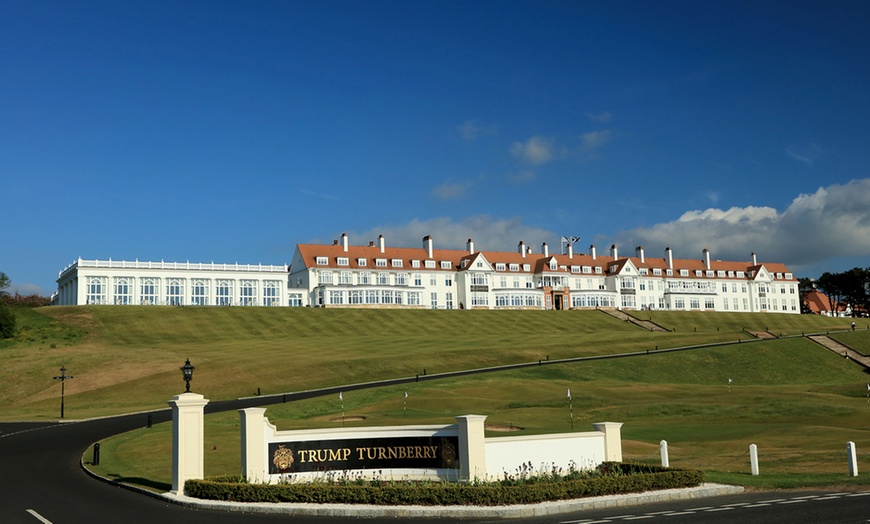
610 478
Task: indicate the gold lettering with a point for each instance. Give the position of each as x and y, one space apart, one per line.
361 451
302 453
434 451
403 452
372 453
418 452
391 453
382 453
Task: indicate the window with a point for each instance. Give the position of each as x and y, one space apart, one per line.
336 298
695 303
478 279
356 296
148 291
224 291
433 280
448 280
295 300
175 292
418 279
499 266
684 272
527 267
430 264
199 293
709 274
514 267
587 270
434 300
343 261
248 293
271 293
479 299
345 277
361 262
401 279
323 278
598 270
449 300
381 262
396 262
96 290
415 263
322 261
720 274
124 291
383 279
657 272
446 264
669 272
699 273
365 278
680 303
414 299
708 303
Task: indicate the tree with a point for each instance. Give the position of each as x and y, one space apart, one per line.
7 317
4 283
7 321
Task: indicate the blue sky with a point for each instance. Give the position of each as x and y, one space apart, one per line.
231 131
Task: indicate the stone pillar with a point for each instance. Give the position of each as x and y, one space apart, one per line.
188 442
472 447
254 463
612 440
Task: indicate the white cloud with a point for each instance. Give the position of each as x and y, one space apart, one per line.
451 191
808 155
471 130
488 233
536 150
523 177
593 140
832 223
602 117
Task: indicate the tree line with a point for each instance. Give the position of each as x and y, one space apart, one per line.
849 289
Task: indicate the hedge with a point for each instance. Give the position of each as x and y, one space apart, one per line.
616 478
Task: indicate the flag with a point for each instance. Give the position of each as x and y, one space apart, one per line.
569 393
340 397
406 394
868 387
729 380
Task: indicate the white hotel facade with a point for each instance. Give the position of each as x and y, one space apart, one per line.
378 276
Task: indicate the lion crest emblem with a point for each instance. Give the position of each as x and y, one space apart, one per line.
283 458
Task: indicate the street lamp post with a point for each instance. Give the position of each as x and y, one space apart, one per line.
187 372
62 377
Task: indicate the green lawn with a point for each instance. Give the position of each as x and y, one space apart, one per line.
798 402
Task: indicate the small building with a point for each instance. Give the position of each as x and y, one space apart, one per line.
170 283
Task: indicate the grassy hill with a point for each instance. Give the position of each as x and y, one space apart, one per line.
797 401
127 358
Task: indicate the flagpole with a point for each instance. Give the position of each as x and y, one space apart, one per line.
341 398
571 404
405 405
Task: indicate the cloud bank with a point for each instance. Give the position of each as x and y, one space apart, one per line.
833 222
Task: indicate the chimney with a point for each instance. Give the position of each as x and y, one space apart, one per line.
344 241
545 250
592 251
613 252
570 250
754 261
335 242
470 246
381 242
427 245
639 250
522 248
707 258
669 255
371 243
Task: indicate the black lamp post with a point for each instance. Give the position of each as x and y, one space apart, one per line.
187 371
62 377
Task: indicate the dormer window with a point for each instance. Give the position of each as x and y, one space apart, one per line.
499 266
527 267
361 262
322 261
343 261
430 264
415 263
515 267
381 262
684 272
446 264
397 262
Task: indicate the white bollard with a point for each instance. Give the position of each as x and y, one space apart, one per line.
852 457
753 458
663 447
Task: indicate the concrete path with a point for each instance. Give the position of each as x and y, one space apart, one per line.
646 324
840 349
